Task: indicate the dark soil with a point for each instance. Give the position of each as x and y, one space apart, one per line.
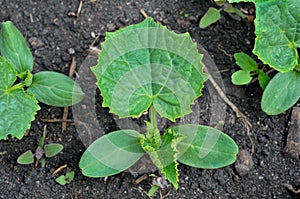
54 33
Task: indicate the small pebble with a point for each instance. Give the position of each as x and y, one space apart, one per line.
111 27
71 51
35 42
244 163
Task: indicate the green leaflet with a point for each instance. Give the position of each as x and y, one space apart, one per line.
263 79
17 107
165 157
26 158
64 179
205 147
245 61
282 92
241 77
147 64
14 47
55 89
211 16
277 29
52 149
111 154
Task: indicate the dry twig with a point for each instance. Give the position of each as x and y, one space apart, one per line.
59 169
142 11
66 109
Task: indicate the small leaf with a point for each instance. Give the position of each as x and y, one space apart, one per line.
43 162
220 2
55 89
152 190
111 154
282 92
17 107
61 180
14 47
70 176
26 158
52 149
205 147
64 179
263 79
211 16
245 62
241 77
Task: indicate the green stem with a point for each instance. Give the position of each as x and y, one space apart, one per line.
17 86
153 116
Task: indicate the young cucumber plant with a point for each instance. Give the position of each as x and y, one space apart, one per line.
249 68
147 67
213 15
277 27
20 89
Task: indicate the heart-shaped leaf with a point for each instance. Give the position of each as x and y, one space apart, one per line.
111 154
282 92
17 107
147 64
14 47
205 147
55 89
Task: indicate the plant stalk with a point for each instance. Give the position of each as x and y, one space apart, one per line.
153 116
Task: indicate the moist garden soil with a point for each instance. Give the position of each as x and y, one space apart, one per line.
55 35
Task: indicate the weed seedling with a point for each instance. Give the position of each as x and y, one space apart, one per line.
49 150
249 68
65 179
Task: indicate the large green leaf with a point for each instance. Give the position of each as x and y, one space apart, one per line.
14 47
277 29
111 154
205 147
17 107
282 92
55 89
147 64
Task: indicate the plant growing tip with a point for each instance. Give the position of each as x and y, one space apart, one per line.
20 89
136 73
